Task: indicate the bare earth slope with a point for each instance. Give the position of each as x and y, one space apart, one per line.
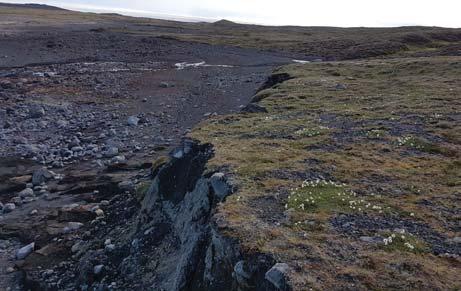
130 159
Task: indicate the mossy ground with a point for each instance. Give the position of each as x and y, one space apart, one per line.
388 134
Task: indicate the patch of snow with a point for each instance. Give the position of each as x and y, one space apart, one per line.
182 66
301 62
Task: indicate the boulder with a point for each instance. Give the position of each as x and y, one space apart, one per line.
8 207
23 252
133 121
72 226
110 152
220 186
166 85
36 112
40 176
277 276
98 269
127 186
28 192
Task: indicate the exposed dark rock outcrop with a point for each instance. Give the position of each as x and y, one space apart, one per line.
272 81
198 257
275 79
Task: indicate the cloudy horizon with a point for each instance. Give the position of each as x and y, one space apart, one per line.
294 12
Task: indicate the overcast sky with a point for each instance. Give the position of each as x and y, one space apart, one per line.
286 12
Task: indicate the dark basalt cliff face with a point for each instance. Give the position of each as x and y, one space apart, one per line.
189 251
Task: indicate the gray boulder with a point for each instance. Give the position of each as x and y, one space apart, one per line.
220 186
8 207
41 176
133 121
28 192
110 152
278 276
36 112
23 252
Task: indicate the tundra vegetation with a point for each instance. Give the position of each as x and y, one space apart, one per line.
353 174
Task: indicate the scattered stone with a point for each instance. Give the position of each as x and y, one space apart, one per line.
127 186
36 112
28 192
277 275
8 207
62 123
72 226
240 274
111 152
76 247
219 185
40 176
98 269
133 121
340 87
110 247
104 202
99 212
23 252
118 160
17 201
166 85
34 212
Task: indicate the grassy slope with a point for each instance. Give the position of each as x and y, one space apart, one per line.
390 132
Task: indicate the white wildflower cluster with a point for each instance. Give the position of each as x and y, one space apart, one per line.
318 182
310 132
409 141
312 191
400 234
406 140
409 245
375 133
389 240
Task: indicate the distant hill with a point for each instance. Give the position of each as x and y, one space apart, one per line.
225 22
31 5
